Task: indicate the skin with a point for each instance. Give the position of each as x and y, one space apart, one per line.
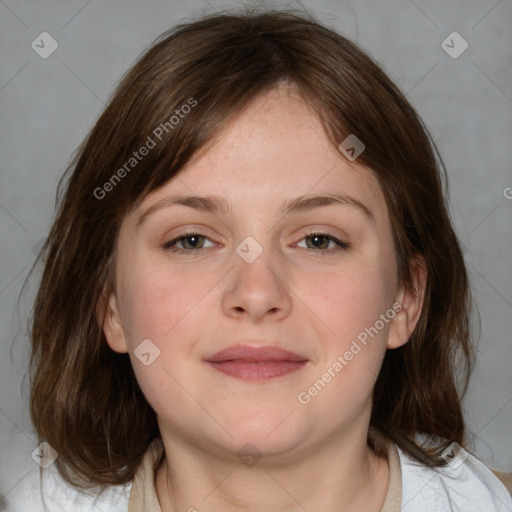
193 304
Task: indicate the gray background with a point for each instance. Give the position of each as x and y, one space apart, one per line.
48 106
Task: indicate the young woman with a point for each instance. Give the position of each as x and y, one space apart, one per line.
253 297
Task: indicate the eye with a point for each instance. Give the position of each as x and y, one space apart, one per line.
194 242
321 241
191 242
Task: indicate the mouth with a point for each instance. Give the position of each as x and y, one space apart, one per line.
256 363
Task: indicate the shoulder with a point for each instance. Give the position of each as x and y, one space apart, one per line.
54 494
464 485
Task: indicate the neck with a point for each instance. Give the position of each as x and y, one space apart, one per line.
341 474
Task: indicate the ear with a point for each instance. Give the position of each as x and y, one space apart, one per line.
110 321
411 301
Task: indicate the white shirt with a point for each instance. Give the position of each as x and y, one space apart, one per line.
466 485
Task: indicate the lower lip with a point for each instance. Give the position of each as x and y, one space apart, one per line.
259 370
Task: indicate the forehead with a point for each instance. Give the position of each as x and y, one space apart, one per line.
273 151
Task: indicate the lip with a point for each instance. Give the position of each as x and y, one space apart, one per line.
254 354
256 363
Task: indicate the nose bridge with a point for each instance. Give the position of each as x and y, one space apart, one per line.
258 260
255 227
258 278
250 250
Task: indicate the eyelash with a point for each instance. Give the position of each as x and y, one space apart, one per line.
170 246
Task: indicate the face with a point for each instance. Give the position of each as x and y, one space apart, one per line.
318 280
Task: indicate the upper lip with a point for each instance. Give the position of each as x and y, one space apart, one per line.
253 354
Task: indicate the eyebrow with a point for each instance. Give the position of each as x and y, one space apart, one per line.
215 204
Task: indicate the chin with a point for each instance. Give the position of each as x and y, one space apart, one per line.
269 433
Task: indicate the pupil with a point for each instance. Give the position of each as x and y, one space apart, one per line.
318 238
194 240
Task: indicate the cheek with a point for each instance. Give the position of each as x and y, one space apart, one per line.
351 299
157 301
354 346
159 307
167 307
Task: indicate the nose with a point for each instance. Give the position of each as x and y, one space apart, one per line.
258 289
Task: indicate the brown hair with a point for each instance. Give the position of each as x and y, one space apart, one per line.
85 400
